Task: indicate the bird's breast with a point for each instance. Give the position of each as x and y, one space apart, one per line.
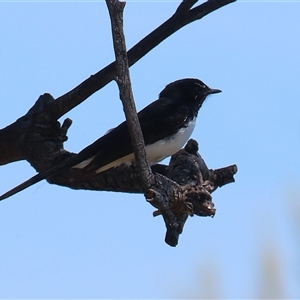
169 145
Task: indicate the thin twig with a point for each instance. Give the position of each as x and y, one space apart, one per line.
122 78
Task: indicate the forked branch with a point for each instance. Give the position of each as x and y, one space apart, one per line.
177 191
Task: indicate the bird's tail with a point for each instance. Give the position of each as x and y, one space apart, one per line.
43 175
24 185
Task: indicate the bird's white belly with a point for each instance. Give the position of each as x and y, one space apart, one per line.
170 145
155 152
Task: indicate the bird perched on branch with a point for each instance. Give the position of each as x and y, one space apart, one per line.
166 123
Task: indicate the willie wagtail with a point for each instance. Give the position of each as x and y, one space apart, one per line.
166 123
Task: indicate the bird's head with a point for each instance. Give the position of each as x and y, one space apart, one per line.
188 89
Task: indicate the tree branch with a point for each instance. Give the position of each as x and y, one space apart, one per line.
122 78
162 190
183 16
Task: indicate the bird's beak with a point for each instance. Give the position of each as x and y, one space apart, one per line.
213 91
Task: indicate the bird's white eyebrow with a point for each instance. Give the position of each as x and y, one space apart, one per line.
202 85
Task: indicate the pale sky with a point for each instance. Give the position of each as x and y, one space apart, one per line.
60 243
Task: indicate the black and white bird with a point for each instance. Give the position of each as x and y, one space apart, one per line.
166 123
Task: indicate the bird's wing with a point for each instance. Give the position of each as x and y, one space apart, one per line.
163 118
158 120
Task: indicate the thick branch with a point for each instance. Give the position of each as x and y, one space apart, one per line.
17 136
9 144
